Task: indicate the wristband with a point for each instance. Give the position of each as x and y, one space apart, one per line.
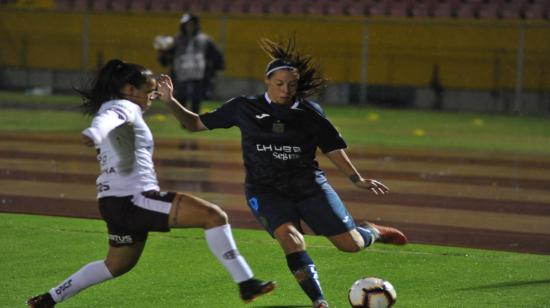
354 178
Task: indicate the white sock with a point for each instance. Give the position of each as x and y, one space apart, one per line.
87 276
221 243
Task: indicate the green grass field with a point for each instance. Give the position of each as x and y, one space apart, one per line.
358 125
177 270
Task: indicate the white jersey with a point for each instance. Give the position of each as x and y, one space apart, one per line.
124 146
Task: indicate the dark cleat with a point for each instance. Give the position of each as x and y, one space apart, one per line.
253 288
386 235
41 301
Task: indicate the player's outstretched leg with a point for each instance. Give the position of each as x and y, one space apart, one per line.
386 235
253 288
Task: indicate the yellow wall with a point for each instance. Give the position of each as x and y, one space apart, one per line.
474 54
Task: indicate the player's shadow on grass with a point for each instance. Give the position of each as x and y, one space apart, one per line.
511 284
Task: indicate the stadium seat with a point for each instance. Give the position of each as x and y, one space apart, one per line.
171 6
443 9
535 10
216 6
298 7
489 11
118 5
139 5
277 7
400 8
237 7
64 5
194 6
336 8
423 8
257 7
356 9
158 5
380 8
80 5
465 10
100 5
313 7
512 10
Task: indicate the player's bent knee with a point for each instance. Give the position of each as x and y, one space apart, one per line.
215 216
290 238
118 267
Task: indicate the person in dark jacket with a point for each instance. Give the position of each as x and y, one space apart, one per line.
193 60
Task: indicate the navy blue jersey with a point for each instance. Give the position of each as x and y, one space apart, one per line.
278 142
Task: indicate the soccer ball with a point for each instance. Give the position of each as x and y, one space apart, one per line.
372 292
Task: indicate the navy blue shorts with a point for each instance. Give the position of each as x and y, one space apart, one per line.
130 218
323 212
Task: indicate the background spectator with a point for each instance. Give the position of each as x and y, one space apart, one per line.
193 59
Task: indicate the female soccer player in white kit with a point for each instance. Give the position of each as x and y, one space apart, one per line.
130 200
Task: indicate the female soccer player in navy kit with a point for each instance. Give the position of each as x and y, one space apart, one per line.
281 131
130 200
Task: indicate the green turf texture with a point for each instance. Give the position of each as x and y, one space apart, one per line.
177 270
359 125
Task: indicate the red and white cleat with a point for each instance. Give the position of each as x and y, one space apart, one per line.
386 235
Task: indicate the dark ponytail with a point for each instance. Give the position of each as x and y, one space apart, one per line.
108 82
311 81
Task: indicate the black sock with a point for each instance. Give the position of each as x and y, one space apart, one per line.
303 269
49 299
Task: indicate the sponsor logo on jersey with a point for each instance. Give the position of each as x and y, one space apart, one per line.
278 127
261 116
278 148
281 152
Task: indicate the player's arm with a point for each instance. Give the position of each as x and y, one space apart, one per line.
187 118
341 160
104 123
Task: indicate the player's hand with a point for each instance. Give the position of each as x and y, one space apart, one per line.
87 141
165 88
373 185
